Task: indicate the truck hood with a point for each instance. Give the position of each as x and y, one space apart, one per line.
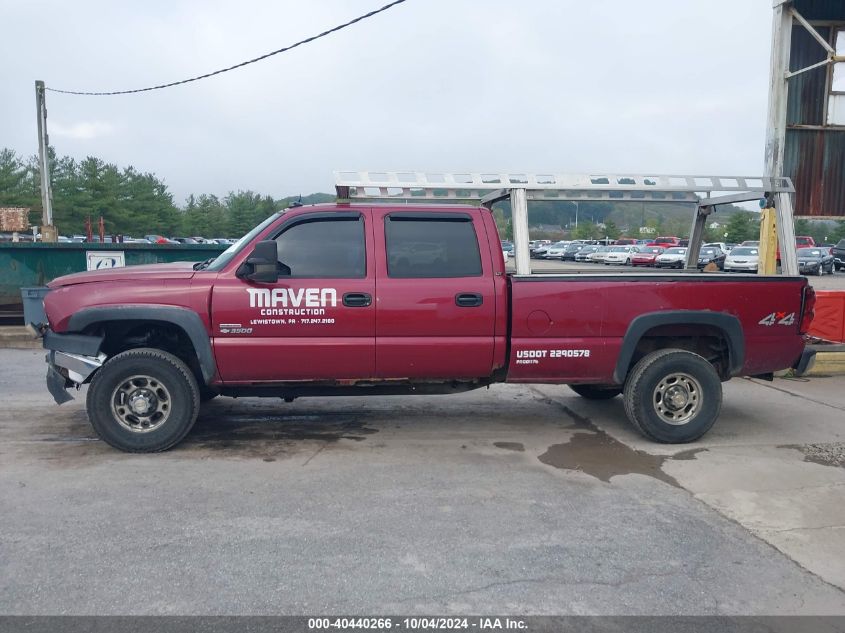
175 270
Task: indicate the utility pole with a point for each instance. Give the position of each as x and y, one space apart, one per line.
48 231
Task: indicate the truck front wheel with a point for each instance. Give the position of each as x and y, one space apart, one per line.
143 401
596 392
673 396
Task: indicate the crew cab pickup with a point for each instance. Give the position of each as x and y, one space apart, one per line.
345 299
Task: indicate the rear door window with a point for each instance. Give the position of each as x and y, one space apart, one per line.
429 247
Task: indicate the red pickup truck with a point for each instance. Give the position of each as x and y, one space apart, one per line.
345 299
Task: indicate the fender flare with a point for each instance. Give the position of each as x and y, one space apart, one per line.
188 320
727 323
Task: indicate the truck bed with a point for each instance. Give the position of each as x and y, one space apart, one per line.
578 327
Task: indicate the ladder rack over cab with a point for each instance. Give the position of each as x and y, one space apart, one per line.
521 188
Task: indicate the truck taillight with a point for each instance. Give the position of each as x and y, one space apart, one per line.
807 305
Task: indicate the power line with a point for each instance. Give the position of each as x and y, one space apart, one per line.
246 63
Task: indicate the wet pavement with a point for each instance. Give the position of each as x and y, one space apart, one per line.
509 500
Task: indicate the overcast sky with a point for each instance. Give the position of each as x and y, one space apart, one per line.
656 86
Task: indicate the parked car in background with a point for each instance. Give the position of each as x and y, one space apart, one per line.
539 248
711 254
646 255
801 241
815 261
556 250
184 240
838 252
665 242
222 240
742 259
722 246
571 251
200 240
754 243
584 253
598 255
505 253
159 239
626 241
674 257
621 255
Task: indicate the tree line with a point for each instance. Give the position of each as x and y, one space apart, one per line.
138 203
131 202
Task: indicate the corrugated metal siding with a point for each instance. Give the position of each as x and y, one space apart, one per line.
815 160
806 96
821 9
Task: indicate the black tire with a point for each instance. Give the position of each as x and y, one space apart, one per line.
597 392
152 377
698 389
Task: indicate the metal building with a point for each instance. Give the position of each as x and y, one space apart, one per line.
806 128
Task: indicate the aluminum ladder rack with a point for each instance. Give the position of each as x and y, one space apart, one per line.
491 187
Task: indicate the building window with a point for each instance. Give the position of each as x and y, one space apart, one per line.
836 99
838 82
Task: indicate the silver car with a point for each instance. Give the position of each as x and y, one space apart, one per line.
744 259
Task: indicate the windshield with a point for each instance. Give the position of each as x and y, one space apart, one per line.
675 251
226 256
653 249
708 251
744 251
809 252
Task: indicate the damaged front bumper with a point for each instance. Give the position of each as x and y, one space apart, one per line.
71 361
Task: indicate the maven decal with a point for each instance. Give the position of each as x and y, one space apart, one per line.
286 301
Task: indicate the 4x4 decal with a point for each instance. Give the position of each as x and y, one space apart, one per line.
778 318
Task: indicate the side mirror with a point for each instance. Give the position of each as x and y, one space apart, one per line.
262 265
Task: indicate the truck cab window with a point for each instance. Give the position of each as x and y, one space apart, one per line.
332 248
431 247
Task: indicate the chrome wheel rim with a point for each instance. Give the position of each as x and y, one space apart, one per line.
677 398
141 403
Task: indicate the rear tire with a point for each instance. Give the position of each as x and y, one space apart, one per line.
673 396
143 401
597 392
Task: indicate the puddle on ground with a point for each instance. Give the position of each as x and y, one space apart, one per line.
237 432
826 454
510 446
596 453
269 436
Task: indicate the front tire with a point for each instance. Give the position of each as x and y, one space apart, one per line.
597 392
143 401
673 396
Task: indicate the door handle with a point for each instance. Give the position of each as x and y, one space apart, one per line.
468 300
357 299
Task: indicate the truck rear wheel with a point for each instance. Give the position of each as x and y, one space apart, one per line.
596 392
143 401
673 396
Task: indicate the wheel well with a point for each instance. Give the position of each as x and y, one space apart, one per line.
708 341
120 336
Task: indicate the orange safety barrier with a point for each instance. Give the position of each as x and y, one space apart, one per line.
829 322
